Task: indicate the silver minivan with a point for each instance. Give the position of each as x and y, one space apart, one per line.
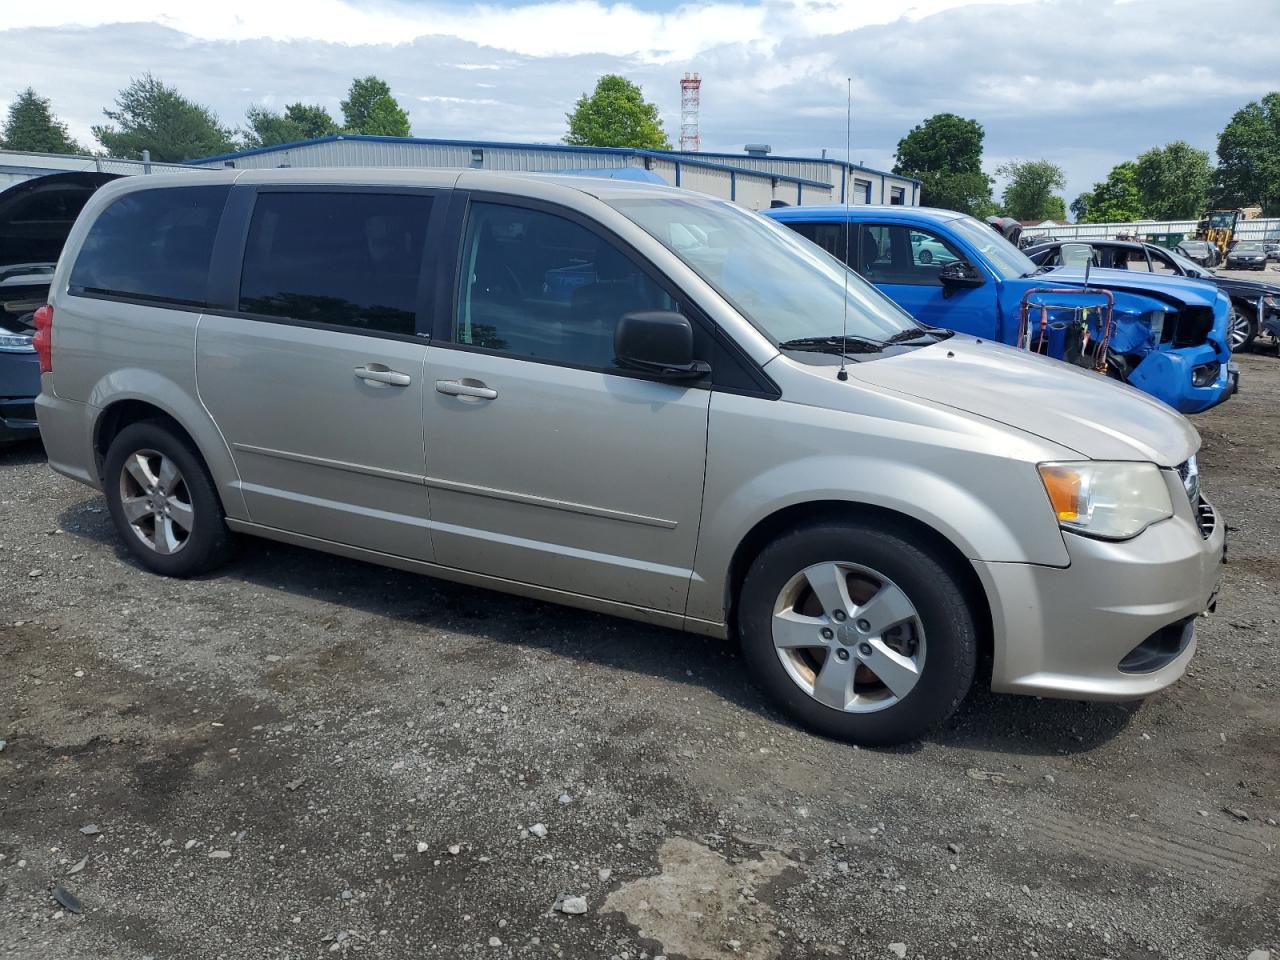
629 399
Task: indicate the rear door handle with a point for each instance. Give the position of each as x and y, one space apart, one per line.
475 389
377 373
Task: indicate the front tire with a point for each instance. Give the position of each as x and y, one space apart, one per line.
163 501
857 632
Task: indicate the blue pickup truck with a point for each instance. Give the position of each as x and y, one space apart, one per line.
1170 336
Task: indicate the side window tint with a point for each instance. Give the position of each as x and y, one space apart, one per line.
348 259
875 250
903 255
539 286
829 236
153 245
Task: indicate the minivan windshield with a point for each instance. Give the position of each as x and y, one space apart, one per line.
1004 257
788 288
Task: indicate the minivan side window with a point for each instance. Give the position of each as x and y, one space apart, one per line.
152 245
540 286
346 259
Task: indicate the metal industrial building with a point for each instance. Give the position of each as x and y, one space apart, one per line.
756 179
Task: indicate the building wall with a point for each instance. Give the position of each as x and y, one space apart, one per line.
753 188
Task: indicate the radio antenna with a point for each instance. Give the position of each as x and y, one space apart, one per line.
848 161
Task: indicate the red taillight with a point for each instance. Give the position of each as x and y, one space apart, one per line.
43 340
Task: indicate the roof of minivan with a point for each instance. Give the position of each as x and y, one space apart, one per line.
863 211
601 187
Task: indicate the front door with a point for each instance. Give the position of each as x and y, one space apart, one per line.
317 380
905 261
546 463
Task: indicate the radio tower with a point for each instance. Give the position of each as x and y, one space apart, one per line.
690 96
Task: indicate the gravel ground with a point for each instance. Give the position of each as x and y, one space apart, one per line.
307 756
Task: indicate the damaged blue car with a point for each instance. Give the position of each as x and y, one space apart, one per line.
1167 336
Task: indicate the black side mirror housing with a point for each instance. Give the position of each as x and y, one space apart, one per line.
659 343
959 275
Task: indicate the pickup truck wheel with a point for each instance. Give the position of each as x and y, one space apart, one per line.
1244 329
857 632
163 501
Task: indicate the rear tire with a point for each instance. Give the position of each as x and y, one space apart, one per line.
163 501
1243 329
858 632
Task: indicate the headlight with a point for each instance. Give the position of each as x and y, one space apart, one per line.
15 342
1114 501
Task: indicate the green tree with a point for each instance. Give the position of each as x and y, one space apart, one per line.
152 116
300 121
312 119
370 108
1114 200
1028 193
945 154
1173 181
616 114
32 126
1249 157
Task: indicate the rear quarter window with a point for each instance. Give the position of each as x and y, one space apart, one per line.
152 245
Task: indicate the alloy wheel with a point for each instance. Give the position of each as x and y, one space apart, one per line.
849 637
1240 329
156 501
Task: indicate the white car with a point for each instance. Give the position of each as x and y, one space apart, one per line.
925 249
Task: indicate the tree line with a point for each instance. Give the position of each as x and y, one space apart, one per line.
1172 182
150 115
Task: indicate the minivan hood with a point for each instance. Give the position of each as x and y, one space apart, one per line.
1099 418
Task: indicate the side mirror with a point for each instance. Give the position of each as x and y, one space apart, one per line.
659 343
959 275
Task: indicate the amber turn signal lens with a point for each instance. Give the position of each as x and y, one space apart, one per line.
1063 485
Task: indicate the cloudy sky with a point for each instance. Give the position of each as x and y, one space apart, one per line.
1085 83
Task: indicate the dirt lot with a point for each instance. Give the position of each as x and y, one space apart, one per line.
306 756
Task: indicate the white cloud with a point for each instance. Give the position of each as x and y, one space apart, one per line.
561 27
1086 83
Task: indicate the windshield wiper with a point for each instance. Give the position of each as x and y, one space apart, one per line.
911 334
836 344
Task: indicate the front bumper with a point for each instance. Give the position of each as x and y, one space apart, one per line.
1170 374
1118 623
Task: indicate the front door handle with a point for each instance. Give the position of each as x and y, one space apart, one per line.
475 389
377 373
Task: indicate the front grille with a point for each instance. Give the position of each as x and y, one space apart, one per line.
1188 327
1206 518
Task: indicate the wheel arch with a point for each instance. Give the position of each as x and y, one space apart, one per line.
770 527
123 411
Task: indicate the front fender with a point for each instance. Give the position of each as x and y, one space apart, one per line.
985 501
